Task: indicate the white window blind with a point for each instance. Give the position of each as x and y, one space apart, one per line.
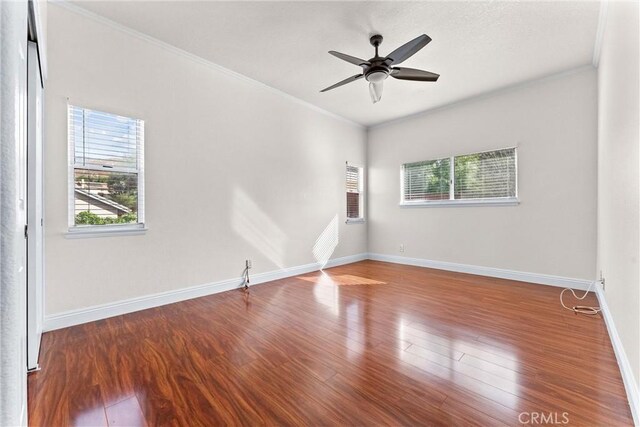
354 192
106 168
428 180
486 176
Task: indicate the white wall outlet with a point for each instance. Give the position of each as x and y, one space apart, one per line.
248 263
401 247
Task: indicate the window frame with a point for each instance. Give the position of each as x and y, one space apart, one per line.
452 201
83 231
361 195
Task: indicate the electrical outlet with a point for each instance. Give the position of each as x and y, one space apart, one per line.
401 247
602 279
248 263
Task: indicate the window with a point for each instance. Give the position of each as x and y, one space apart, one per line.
428 180
487 177
354 194
106 182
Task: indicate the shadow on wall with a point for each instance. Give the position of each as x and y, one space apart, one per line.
326 242
257 228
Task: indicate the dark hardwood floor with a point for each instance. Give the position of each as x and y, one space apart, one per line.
369 343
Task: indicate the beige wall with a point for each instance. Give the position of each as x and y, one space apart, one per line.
618 174
552 231
213 197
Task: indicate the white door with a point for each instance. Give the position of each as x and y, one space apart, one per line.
21 214
13 192
35 202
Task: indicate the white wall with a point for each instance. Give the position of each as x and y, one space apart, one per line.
552 231
233 170
618 174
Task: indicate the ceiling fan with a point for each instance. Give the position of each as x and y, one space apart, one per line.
378 68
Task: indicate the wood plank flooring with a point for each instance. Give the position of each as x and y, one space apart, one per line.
369 343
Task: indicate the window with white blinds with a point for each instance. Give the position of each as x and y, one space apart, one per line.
486 175
428 180
354 193
489 177
106 158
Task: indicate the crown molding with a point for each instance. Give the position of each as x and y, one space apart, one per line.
168 47
195 58
485 95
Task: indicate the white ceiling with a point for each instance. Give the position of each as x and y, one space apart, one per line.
477 46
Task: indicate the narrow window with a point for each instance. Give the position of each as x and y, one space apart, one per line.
106 169
355 211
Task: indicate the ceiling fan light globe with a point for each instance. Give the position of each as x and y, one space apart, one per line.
377 77
375 90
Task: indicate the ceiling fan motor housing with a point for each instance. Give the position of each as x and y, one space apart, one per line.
378 64
375 68
376 40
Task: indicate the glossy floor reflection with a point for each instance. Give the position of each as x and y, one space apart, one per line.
369 343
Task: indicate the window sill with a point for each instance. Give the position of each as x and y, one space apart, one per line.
105 231
457 203
354 221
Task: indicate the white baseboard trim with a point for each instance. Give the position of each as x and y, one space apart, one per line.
90 314
541 279
104 311
621 356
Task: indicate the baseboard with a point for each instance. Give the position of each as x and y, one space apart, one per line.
90 314
621 356
541 279
104 311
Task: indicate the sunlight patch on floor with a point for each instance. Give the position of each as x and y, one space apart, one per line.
342 280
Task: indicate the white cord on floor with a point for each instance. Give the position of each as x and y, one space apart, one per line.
581 309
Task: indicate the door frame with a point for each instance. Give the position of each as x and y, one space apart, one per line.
35 207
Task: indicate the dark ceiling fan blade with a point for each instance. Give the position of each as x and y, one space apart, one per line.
349 58
405 51
344 82
402 73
